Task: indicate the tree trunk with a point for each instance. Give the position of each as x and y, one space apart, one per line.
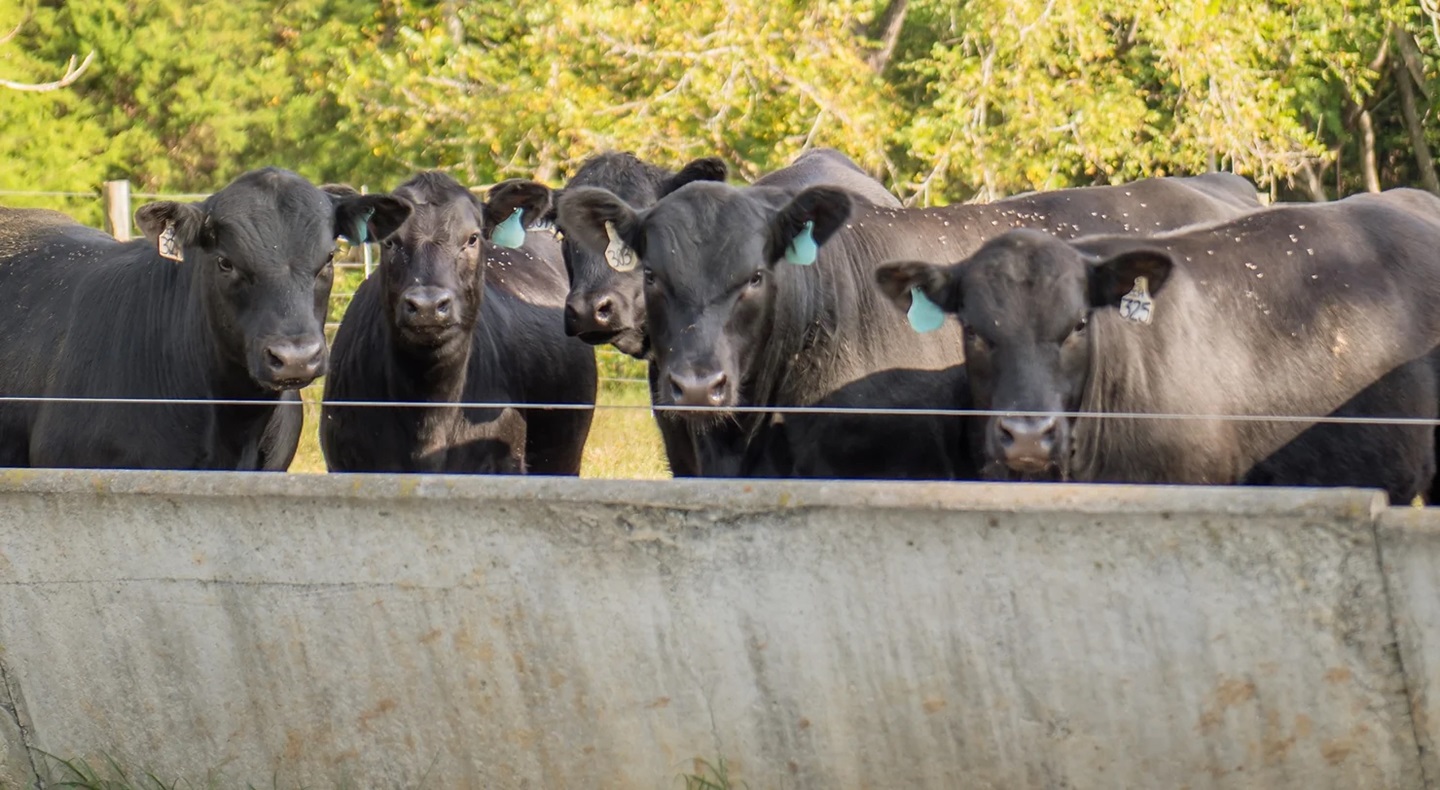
1367 153
887 29
1313 183
1404 73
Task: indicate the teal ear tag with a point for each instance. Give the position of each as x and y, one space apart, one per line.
510 233
925 315
803 248
362 226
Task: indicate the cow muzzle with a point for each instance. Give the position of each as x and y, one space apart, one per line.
1027 445
292 363
700 389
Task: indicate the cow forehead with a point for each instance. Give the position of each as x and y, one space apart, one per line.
277 215
448 218
713 231
1015 282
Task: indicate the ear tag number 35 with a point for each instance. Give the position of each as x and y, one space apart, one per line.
169 245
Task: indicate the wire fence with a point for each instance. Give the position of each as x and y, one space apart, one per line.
867 411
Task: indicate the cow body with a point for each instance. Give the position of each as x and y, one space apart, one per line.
239 319
1296 311
829 167
501 342
731 323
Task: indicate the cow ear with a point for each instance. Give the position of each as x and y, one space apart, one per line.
1114 277
588 214
805 223
553 213
899 279
172 226
513 206
361 218
711 168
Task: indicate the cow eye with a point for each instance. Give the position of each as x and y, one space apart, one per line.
756 280
1079 327
224 265
473 241
649 276
974 338
390 243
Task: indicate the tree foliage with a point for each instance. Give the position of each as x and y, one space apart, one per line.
944 100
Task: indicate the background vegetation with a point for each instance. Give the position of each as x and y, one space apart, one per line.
944 100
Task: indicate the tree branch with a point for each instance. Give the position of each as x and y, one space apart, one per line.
1404 73
888 26
72 73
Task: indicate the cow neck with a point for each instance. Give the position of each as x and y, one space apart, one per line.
435 374
192 363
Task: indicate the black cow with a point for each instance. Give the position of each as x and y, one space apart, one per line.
451 317
829 167
641 185
605 305
225 301
730 325
1304 311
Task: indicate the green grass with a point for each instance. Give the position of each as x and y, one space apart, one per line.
710 776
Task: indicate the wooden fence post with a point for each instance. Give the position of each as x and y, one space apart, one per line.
116 195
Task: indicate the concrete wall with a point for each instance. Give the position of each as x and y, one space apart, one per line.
405 632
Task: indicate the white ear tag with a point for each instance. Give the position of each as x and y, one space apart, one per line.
1137 305
169 245
619 255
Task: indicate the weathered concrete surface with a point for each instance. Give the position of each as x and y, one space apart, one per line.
1410 548
503 633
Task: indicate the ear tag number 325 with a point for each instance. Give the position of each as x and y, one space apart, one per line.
1137 305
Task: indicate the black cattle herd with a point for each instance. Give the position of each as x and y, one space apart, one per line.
1169 330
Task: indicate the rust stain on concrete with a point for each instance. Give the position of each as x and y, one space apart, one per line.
381 708
1228 694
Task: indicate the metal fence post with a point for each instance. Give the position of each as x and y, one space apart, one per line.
116 195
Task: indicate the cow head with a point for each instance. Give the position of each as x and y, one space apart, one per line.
1026 301
259 253
432 268
605 305
708 260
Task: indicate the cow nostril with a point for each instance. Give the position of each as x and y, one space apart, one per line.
1007 438
442 305
717 388
411 306
604 309
273 360
677 392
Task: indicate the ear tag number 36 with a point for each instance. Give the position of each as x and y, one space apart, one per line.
619 255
